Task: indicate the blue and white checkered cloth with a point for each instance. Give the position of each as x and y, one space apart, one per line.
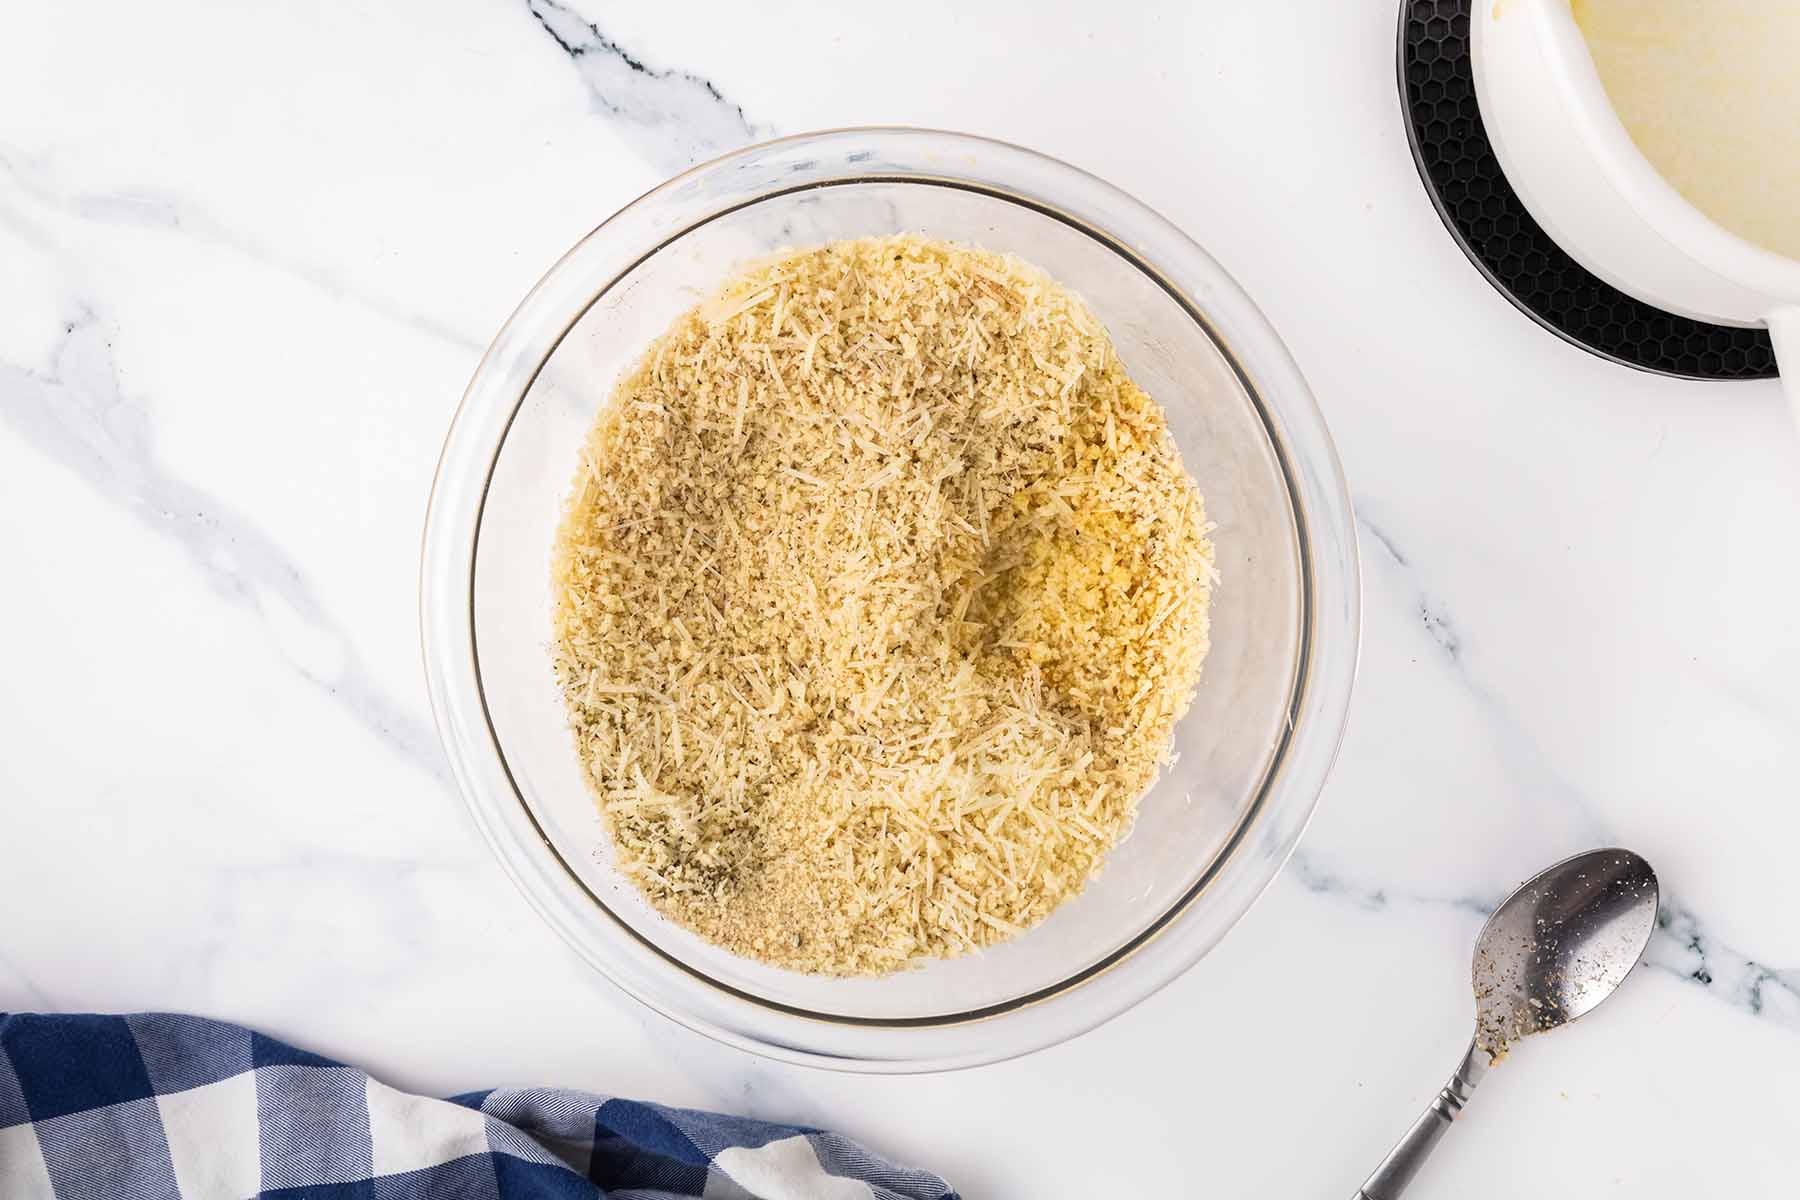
163 1107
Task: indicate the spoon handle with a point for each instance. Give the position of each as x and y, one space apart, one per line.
1409 1154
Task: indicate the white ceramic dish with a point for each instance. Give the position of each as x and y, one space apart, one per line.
1582 178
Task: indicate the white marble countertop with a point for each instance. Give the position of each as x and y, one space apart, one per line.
249 255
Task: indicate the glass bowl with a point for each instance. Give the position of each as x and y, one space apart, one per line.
1253 751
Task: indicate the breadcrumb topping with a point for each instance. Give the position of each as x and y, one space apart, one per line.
879 591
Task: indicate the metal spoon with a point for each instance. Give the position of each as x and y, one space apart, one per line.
1552 951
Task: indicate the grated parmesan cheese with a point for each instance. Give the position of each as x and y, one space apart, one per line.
878 594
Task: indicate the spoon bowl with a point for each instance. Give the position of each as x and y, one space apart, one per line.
1561 944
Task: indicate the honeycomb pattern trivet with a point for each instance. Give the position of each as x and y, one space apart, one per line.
1487 219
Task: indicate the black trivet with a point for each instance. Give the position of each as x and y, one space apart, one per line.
1489 222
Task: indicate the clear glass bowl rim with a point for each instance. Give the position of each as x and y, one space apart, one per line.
1273 823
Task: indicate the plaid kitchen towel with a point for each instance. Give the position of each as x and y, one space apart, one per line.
164 1107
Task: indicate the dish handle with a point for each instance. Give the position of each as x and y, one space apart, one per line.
1784 333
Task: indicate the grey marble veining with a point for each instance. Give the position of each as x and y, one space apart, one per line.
1682 948
76 414
672 117
144 209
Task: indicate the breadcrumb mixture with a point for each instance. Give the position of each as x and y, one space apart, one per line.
879 591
